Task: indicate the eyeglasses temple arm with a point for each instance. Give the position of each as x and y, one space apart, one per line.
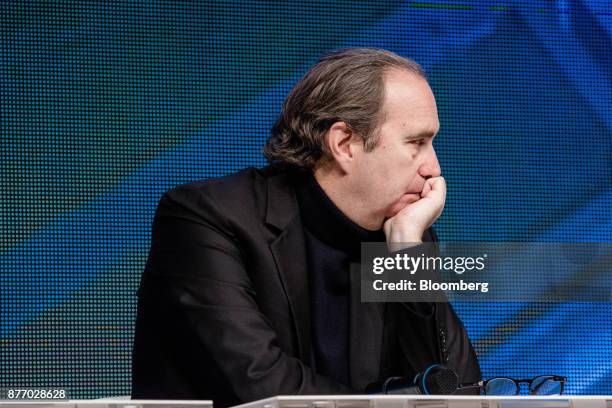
479 384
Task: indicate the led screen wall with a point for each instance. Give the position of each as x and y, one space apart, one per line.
105 105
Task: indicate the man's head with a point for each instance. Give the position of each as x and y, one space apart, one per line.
343 86
363 120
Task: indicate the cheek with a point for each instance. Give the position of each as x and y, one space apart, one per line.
386 176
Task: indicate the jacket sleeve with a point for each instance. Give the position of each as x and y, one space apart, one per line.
202 270
456 351
432 333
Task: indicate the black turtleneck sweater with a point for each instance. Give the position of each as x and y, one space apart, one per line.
333 244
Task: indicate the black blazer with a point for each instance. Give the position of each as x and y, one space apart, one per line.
223 308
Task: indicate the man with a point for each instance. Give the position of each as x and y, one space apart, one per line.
251 288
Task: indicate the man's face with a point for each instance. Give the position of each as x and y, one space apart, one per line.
393 174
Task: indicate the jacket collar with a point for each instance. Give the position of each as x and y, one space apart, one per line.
281 202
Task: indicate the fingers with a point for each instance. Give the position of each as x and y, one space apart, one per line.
387 227
437 184
409 224
426 188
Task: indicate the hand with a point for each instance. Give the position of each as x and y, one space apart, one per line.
409 224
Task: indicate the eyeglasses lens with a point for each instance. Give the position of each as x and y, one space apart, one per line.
545 385
500 386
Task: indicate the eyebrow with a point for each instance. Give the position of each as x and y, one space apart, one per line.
422 135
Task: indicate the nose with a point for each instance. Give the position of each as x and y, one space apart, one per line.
430 166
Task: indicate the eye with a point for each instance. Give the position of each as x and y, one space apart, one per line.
418 142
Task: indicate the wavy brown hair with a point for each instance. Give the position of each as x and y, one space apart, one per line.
345 85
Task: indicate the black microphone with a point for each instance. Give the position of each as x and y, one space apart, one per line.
435 380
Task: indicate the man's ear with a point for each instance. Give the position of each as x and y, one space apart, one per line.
340 141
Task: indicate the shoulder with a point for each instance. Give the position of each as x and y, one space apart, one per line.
235 197
243 185
237 184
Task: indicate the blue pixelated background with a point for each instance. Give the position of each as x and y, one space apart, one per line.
107 104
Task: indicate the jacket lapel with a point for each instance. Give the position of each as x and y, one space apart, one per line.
289 252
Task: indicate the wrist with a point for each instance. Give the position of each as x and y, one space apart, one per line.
401 238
